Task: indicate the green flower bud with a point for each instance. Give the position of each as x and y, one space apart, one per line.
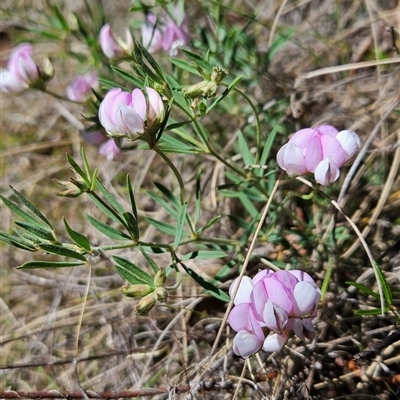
146 304
218 75
205 89
160 278
72 190
161 294
137 291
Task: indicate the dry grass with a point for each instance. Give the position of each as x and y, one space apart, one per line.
65 329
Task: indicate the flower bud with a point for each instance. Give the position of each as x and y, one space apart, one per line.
115 48
160 278
74 188
161 294
205 89
146 304
47 71
137 291
80 88
21 72
110 150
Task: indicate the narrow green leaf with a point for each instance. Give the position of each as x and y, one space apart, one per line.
127 77
363 288
209 286
178 98
77 169
132 225
198 197
204 255
17 242
224 94
209 224
131 196
385 286
131 272
168 194
151 61
107 210
170 144
267 147
179 226
248 158
109 197
49 264
63 22
182 64
166 206
31 207
77 237
107 229
373 311
199 60
161 226
150 261
37 230
107 84
62 251
17 210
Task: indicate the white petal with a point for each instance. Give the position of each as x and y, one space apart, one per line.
275 341
245 344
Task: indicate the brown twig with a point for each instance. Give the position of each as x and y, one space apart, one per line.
55 394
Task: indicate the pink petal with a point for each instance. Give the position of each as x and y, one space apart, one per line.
262 274
278 294
239 318
332 148
287 279
301 275
269 317
303 137
327 130
313 153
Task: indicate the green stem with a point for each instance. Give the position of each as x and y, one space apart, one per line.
174 170
258 124
59 97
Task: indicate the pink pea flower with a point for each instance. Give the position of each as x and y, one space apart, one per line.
110 150
322 150
129 115
115 48
164 34
80 88
271 305
21 72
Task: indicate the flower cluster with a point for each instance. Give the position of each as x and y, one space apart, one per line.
80 88
321 150
115 48
164 34
131 115
269 306
21 72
